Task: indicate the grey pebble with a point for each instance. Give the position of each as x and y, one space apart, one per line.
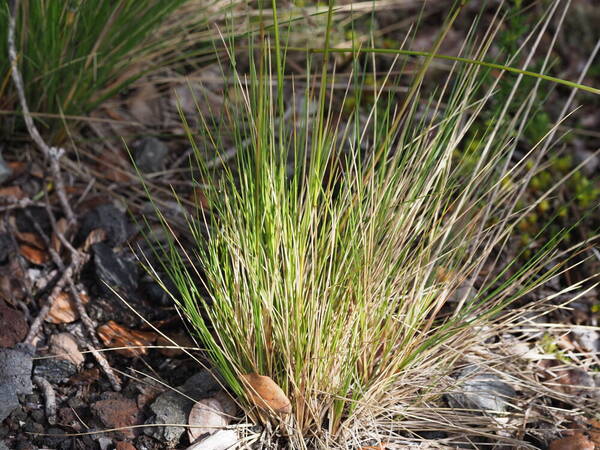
15 373
150 154
55 370
172 407
482 391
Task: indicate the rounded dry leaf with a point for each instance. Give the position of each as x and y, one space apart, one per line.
206 416
63 309
266 394
116 336
34 255
577 441
64 346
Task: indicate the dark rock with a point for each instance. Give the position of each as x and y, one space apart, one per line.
38 415
148 443
55 370
23 443
8 401
67 417
482 391
54 438
6 247
18 415
109 218
3 446
14 326
15 373
33 427
155 294
172 407
114 270
32 400
150 154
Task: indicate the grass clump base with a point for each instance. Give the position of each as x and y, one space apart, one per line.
351 255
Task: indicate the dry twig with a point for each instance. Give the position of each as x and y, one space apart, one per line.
114 381
74 267
52 154
49 396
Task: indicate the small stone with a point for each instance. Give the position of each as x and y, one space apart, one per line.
150 154
221 440
117 412
171 407
588 338
481 391
54 370
206 417
114 270
8 401
54 437
104 442
64 346
15 373
34 427
38 415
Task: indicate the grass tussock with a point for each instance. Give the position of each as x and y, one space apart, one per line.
333 255
75 54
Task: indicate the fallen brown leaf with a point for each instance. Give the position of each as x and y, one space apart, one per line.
595 431
17 167
63 310
266 394
34 255
576 442
32 239
114 335
11 193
